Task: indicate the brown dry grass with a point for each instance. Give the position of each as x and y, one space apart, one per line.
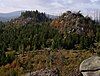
67 61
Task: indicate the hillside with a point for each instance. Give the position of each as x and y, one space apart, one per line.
34 30
33 42
66 61
75 22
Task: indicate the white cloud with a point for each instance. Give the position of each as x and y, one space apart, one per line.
70 1
56 5
94 0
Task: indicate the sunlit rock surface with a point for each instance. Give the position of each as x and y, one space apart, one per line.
91 66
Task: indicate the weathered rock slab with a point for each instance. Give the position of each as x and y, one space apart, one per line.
44 72
91 66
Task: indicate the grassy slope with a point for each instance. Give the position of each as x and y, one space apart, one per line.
67 61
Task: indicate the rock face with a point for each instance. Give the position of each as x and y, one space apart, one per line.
91 66
74 22
42 72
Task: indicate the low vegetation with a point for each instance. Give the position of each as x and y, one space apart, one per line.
67 62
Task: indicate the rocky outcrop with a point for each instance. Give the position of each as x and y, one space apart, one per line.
91 66
74 22
42 72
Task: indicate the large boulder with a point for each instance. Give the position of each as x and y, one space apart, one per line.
91 66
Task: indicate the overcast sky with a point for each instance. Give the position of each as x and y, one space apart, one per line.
48 6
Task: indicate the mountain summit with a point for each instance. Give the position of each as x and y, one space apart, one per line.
74 22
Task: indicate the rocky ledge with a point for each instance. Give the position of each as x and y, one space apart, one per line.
44 72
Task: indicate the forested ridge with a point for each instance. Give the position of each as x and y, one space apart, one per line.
35 31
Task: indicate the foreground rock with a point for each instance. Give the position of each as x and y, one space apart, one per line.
91 66
46 72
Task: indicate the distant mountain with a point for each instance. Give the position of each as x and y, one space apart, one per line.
8 16
51 16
